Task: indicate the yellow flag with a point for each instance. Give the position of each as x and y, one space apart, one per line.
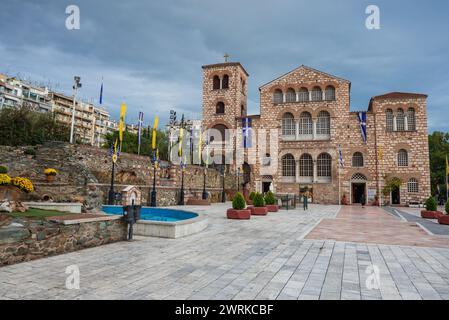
115 146
181 132
121 123
153 141
447 166
380 153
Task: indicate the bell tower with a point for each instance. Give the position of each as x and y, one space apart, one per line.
224 94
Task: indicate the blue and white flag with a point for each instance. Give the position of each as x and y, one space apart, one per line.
340 156
139 129
361 116
247 132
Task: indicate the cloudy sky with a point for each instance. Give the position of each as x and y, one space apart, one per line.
150 53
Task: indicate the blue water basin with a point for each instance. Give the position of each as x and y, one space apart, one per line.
155 214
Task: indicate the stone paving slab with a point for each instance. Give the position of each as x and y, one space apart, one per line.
262 258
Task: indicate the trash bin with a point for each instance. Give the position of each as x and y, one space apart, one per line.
137 210
128 214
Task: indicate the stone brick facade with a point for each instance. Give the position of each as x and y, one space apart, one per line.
316 108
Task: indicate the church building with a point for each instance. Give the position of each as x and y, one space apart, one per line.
321 146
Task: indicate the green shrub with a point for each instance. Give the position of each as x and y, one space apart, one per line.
446 207
431 204
30 151
238 202
251 195
258 200
3 170
269 198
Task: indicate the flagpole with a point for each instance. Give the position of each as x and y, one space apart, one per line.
447 188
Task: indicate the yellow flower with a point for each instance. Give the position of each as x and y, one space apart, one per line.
23 184
4 179
50 172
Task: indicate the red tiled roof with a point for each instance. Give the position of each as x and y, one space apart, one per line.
400 95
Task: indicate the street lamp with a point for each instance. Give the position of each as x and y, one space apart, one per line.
204 184
76 86
223 193
153 191
181 198
238 179
111 194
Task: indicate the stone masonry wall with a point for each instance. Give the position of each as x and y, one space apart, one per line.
85 173
30 239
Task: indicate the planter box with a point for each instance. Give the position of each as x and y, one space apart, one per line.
430 214
12 193
238 214
259 211
443 219
272 207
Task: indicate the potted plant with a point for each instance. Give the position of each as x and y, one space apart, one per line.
23 184
270 202
50 173
431 209
3 170
258 208
444 218
250 198
238 210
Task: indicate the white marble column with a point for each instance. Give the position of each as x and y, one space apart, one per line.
315 171
395 126
313 129
405 123
297 129
297 171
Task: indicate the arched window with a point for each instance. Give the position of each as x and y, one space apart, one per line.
323 124
303 95
317 94
389 120
216 83
291 95
220 108
400 122
306 165
411 119
225 82
357 159
288 166
413 186
329 93
402 158
305 123
288 124
278 96
324 164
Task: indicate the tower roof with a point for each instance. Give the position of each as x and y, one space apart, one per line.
225 64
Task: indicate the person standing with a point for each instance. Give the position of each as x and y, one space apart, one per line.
305 200
362 200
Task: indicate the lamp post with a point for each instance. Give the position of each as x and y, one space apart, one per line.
223 193
181 197
204 184
111 194
76 85
238 179
153 195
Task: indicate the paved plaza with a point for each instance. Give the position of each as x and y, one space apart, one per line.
279 256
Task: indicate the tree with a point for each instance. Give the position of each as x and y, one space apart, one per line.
438 149
23 126
131 142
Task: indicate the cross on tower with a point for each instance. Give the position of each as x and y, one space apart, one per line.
226 56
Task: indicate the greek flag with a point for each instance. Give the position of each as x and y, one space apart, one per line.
340 156
247 130
361 116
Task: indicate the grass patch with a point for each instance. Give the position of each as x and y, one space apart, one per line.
38 213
